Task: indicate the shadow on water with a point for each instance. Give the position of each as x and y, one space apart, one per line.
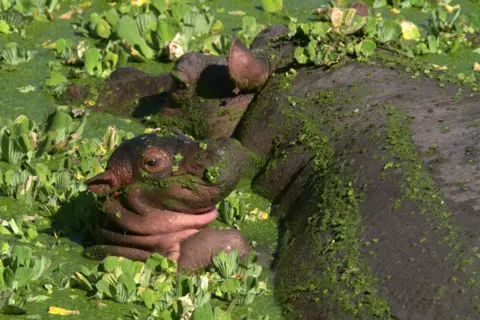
75 219
150 105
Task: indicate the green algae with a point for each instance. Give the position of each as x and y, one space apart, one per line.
261 233
421 188
325 236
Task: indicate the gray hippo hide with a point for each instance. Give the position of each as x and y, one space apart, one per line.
372 170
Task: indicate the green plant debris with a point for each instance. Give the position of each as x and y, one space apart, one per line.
272 5
12 56
30 149
212 173
420 187
326 230
345 280
156 285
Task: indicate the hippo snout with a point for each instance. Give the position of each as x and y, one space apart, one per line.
103 183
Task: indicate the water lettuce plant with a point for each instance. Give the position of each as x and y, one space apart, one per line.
91 60
19 270
156 284
16 14
12 55
48 162
19 267
345 34
156 29
232 210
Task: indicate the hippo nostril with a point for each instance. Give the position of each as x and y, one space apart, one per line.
102 183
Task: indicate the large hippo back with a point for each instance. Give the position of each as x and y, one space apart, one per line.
380 213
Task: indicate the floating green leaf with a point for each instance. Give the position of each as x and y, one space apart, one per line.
127 29
388 30
26 89
56 79
103 29
166 29
160 5
204 312
112 17
272 5
93 62
4 27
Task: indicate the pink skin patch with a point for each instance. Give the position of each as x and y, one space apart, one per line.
167 244
150 229
145 220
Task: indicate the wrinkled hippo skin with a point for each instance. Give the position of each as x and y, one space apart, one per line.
158 199
415 272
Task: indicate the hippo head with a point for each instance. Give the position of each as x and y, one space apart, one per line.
159 191
172 173
204 94
214 92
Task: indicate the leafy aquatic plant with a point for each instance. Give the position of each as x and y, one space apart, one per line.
19 267
157 28
250 29
232 209
156 285
13 56
94 62
19 271
272 5
27 146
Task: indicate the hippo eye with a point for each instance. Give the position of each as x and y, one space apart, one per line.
155 160
151 162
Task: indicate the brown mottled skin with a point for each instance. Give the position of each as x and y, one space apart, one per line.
149 207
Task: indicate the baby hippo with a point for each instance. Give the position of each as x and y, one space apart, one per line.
159 195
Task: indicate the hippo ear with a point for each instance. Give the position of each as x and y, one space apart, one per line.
248 72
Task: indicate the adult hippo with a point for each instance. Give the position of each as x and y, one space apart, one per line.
372 170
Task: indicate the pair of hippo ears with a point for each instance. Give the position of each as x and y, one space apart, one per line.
249 73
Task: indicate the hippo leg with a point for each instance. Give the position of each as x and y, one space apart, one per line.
198 251
195 252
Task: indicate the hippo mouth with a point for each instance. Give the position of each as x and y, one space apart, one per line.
128 214
125 223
